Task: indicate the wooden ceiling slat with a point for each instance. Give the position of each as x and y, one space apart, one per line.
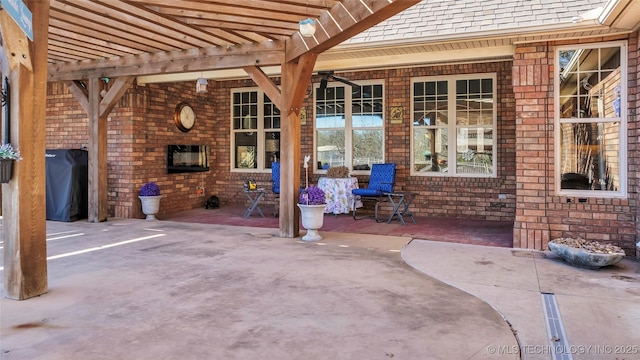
143 19
246 9
254 37
262 8
65 48
92 18
110 28
92 41
237 22
60 57
91 48
230 26
131 46
66 55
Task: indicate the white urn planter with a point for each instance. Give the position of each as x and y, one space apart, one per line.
312 218
150 206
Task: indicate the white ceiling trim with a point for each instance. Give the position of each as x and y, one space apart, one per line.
352 63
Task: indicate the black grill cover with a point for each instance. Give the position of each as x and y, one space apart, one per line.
67 181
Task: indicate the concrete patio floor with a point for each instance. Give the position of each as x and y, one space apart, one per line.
133 289
169 290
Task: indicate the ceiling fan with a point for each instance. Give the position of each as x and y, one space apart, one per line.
326 75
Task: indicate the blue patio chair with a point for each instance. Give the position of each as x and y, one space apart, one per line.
275 186
383 177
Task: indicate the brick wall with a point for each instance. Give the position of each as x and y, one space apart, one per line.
540 214
139 129
458 197
141 126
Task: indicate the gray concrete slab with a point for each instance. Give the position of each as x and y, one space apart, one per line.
599 308
132 289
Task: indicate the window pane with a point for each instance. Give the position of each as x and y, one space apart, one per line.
330 148
368 147
474 151
367 121
589 83
590 156
430 150
272 148
245 112
271 114
330 106
476 106
330 121
245 154
431 108
367 108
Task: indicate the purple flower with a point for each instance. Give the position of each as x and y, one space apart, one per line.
150 189
312 196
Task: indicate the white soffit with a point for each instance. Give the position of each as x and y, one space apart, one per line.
353 60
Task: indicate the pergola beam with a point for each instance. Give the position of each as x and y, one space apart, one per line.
262 54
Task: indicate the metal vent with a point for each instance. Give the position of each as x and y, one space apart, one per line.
557 337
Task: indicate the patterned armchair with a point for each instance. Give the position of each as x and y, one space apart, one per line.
381 182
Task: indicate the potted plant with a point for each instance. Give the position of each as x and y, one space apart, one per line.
312 204
150 198
8 155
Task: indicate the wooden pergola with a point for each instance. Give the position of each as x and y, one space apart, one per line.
80 42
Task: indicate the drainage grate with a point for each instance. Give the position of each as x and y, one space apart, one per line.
557 336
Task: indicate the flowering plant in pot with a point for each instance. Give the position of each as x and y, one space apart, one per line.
150 198
150 189
312 195
9 153
312 203
7 156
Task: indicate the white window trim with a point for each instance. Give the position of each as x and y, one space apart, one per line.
452 127
624 55
348 128
260 132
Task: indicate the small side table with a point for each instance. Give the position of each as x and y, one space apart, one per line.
400 203
254 197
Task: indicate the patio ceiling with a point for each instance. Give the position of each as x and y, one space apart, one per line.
111 38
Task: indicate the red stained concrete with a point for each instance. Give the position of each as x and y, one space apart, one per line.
478 232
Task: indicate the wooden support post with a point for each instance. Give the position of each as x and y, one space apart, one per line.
296 76
98 110
295 79
98 206
23 202
289 157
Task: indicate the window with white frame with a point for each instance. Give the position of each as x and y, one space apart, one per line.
255 130
590 108
453 125
349 126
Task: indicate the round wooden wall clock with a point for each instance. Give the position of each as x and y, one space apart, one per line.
184 116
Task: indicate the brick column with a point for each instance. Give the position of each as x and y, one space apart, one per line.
533 88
